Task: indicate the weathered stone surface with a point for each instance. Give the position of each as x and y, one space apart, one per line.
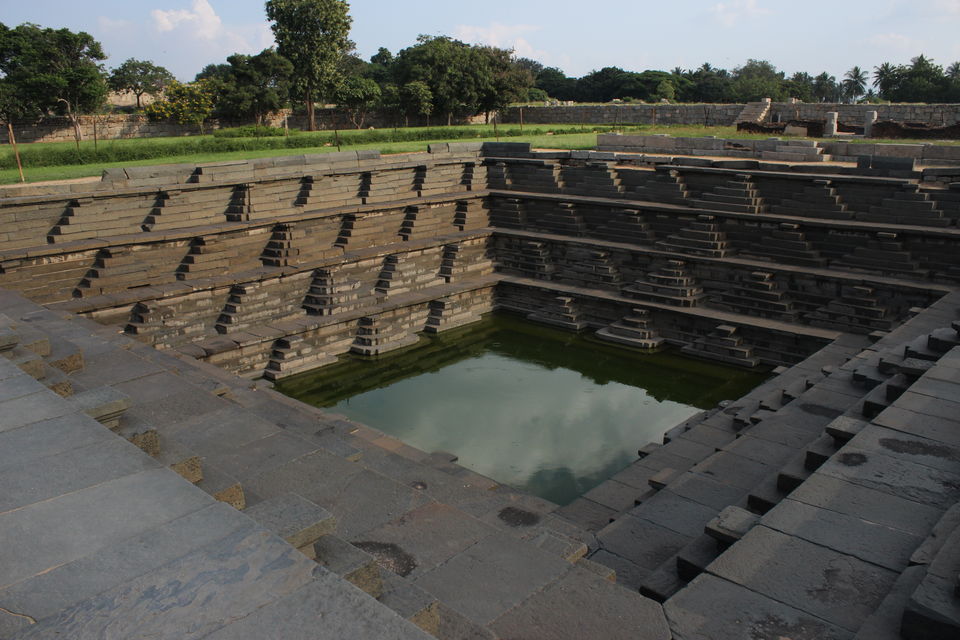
293 518
99 516
27 409
49 437
64 586
70 471
826 584
866 503
579 606
716 609
731 524
884 546
894 475
884 624
352 563
431 534
240 573
503 572
674 512
325 609
641 542
706 491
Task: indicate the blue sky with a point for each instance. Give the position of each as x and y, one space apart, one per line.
814 36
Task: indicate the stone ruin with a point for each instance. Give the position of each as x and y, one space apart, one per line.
160 301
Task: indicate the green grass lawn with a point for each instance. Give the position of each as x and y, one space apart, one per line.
60 160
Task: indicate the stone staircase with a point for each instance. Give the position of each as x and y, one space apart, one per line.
704 510
670 284
797 151
634 331
704 237
737 194
724 344
564 313
757 294
754 112
787 244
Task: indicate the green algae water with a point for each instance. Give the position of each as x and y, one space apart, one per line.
543 410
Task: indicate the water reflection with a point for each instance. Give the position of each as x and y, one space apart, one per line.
538 409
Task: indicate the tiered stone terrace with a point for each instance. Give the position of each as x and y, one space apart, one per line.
821 505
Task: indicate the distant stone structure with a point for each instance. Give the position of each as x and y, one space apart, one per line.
825 503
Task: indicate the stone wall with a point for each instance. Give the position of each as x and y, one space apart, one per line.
780 149
123 126
931 114
702 114
726 114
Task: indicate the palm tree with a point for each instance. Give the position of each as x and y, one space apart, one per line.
825 88
883 77
855 83
953 71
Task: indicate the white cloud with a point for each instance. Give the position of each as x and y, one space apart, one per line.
950 7
109 24
202 21
730 13
505 36
199 34
896 41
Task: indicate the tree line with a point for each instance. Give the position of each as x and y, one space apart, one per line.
46 71
920 81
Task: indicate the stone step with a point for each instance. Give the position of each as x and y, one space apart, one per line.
295 519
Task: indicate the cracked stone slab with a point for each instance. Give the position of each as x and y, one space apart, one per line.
895 476
835 587
579 605
641 542
49 437
99 516
711 608
324 609
197 593
64 586
892 511
503 572
293 518
430 534
32 481
868 541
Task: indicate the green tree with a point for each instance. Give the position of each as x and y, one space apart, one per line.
448 68
756 80
556 83
953 71
416 99
381 66
800 86
190 103
500 80
51 70
854 83
885 78
311 34
139 77
358 95
250 87
707 84
825 88
665 91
